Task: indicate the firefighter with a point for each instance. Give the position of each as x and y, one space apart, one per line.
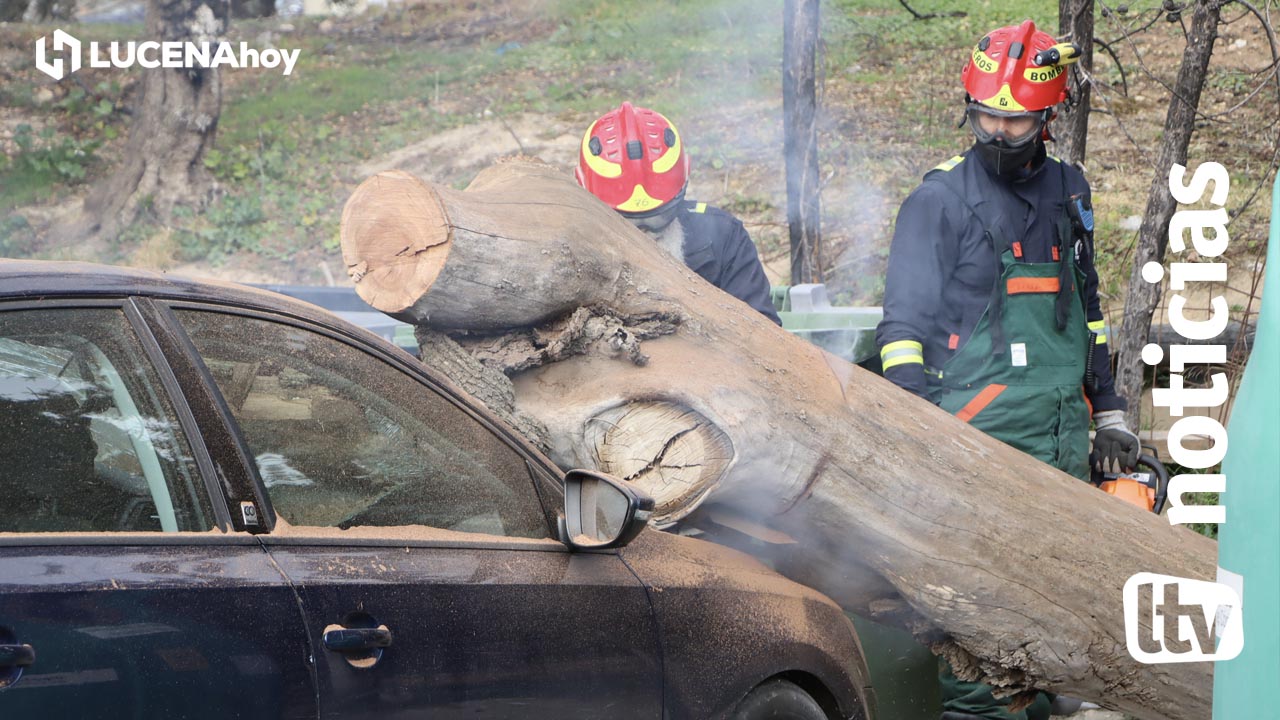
991 296
633 159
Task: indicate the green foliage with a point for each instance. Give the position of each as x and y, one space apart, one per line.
274 156
15 236
65 150
47 153
1206 498
1197 498
22 185
91 111
228 226
744 204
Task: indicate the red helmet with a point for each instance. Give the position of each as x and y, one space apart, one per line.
632 159
1019 69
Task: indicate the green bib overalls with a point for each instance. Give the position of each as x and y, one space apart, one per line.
1024 383
1020 378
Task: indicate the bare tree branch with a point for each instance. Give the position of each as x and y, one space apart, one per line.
929 16
1124 79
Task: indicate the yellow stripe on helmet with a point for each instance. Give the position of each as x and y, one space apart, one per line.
1043 74
598 164
669 158
1003 100
639 201
984 62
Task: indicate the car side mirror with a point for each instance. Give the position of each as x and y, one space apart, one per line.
601 511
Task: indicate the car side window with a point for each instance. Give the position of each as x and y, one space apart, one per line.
88 439
343 439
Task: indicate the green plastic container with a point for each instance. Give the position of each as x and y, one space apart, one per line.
1249 540
848 332
904 673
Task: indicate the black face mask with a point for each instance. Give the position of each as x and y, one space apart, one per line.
1008 163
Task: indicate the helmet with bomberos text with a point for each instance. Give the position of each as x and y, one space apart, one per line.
1014 78
1018 69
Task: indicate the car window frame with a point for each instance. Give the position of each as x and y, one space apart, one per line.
379 349
231 461
170 387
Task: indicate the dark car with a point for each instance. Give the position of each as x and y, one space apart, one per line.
220 502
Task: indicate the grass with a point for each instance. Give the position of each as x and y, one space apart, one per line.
24 185
55 161
285 143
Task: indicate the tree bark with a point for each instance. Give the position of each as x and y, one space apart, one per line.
55 10
899 511
1153 236
241 9
1075 22
799 127
13 10
173 127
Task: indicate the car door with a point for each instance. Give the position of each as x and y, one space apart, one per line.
126 590
415 534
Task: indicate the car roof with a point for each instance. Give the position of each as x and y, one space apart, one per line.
33 279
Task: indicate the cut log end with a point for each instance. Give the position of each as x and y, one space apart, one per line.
670 451
396 238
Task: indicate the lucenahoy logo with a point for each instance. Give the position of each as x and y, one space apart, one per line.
153 54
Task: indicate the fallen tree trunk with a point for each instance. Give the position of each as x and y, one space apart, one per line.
899 511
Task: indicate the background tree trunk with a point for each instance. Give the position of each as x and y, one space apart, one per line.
252 8
1153 236
55 10
898 510
13 10
799 127
1075 21
173 127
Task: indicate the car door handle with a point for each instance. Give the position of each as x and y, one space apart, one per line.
340 639
16 655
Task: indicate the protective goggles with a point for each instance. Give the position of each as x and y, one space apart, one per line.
1015 129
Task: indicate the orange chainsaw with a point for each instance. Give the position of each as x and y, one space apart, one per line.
1147 489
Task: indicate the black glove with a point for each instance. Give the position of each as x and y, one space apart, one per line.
909 377
1115 448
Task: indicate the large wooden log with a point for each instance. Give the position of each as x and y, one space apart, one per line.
900 511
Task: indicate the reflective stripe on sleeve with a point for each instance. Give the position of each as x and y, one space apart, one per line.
1099 327
901 353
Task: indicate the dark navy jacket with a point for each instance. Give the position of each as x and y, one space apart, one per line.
942 268
717 247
